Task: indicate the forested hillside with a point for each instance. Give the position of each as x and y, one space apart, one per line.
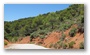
43 24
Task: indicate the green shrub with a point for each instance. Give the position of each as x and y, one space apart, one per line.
60 43
42 36
64 26
72 32
43 32
71 44
39 33
55 45
51 45
34 35
64 46
5 43
81 45
9 38
13 39
81 28
62 37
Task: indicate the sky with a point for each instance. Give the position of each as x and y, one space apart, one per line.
17 11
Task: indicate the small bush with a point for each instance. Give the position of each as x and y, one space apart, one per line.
13 39
5 43
81 45
42 36
64 46
81 28
64 26
60 43
16 38
71 44
55 45
39 33
51 45
72 32
62 37
42 32
34 35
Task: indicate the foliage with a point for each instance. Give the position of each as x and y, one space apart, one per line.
72 32
81 45
61 44
71 44
81 24
62 37
51 45
64 46
42 36
5 43
38 33
55 46
12 39
34 35
43 32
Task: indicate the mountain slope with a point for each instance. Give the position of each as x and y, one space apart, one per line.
44 24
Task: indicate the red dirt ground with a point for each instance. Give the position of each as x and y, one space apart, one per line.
7 42
54 37
24 40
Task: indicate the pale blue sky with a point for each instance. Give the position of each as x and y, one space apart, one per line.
16 11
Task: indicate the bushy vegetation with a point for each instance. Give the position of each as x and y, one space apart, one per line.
12 39
64 46
40 25
5 43
42 36
71 44
39 33
51 45
81 45
72 32
62 37
34 35
81 24
56 46
60 44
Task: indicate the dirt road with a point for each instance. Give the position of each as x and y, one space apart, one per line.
25 46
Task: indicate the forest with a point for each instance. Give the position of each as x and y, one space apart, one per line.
43 24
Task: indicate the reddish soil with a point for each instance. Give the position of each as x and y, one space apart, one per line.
78 39
24 40
51 39
54 37
38 40
7 42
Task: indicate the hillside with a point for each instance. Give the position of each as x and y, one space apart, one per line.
62 29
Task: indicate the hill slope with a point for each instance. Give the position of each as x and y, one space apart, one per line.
45 24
